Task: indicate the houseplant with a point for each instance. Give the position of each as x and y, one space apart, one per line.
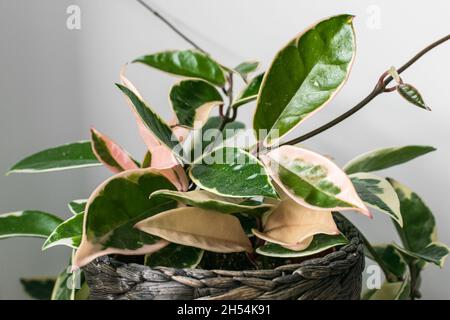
212 217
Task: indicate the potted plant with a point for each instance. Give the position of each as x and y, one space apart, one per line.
206 216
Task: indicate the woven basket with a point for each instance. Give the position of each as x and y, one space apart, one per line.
338 275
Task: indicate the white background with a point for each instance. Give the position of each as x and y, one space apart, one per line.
55 83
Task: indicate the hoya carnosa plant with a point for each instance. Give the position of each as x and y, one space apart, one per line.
199 190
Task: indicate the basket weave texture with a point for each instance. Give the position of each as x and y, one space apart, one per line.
338 275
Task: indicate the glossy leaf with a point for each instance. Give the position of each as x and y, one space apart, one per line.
377 193
64 288
187 63
192 101
200 140
385 158
111 154
245 68
206 200
304 76
151 120
435 253
175 256
248 222
200 228
250 92
292 225
391 258
38 288
412 95
68 156
418 221
232 172
68 233
312 180
77 206
320 243
29 223
113 209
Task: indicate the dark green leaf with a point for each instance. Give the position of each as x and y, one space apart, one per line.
67 233
113 210
175 256
38 288
418 221
304 76
68 156
392 259
151 120
188 63
385 158
435 253
28 223
77 206
200 140
206 200
232 172
412 95
248 222
320 242
377 192
250 92
192 101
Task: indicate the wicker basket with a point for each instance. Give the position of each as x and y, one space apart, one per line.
338 275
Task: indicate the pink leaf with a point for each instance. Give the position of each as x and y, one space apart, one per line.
111 154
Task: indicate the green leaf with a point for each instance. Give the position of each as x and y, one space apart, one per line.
385 158
192 101
250 92
412 95
113 210
435 253
64 288
175 256
206 200
29 223
312 180
77 206
38 288
67 233
68 156
304 76
113 156
418 221
200 140
151 120
187 63
248 222
391 291
320 242
377 193
392 259
232 172
245 68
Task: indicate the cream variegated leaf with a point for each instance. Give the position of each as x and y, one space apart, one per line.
312 180
377 193
293 225
200 228
207 200
114 157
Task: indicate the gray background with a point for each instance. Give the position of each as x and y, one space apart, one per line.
55 83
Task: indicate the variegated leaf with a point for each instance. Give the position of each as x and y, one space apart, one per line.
312 180
377 193
200 228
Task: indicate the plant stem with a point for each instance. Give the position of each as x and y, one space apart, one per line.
379 88
171 26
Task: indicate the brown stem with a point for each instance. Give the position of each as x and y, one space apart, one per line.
379 88
171 26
